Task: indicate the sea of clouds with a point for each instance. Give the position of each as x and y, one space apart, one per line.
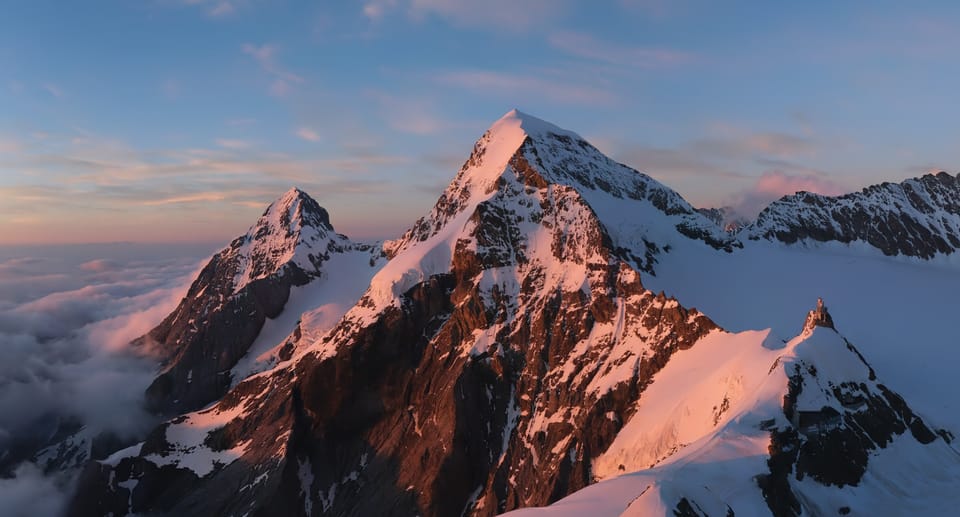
67 316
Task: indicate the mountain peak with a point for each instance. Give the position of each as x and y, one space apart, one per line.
294 210
528 124
523 156
241 287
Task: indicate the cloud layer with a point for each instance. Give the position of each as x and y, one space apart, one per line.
67 317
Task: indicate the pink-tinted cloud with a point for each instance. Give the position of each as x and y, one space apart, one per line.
773 185
100 265
205 197
308 134
375 10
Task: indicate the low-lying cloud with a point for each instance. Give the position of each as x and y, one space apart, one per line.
67 318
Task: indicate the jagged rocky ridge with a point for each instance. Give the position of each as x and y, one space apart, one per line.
241 287
504 357
492 358
917 218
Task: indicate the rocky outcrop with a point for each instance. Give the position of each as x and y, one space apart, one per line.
836 424
818 317
917 218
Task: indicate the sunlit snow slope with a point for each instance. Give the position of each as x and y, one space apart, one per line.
803 427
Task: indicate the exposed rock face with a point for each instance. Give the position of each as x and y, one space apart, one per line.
497 353
918 218
228 303
725 218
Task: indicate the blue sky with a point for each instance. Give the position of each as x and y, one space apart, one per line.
179 120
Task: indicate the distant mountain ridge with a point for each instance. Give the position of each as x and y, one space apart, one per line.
919 217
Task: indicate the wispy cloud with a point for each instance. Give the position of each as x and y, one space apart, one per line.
414 115
230 143
756 145
266 56
222 8
308 134
79 192
205 197
722 168
375 10
502 14
53 89
214 8
586 46
501 83
492 14
672 163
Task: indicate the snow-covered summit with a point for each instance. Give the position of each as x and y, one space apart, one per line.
530 125
294 230
242 286
639 213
